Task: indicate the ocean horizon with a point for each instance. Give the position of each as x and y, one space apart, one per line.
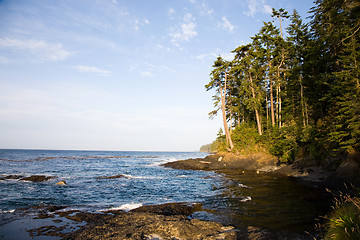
144 181
99 181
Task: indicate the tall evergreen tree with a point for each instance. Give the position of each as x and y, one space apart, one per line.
219 81
246 69
335 28
296 101
268 38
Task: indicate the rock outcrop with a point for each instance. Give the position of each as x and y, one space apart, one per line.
37 178
225 161
142 225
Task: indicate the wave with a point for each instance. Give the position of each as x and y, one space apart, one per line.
245 199
128 176
7 211
163 161
125 207
181 176
244 186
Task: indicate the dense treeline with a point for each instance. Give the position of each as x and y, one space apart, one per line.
294 91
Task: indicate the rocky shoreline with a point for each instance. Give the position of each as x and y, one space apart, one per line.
165 221
171 220
346 174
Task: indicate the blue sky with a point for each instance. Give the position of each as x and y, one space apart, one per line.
118 75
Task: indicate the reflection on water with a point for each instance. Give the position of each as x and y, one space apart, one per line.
267 200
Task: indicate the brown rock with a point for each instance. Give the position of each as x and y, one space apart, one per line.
140 225
112 177
170 209
62 182
37 178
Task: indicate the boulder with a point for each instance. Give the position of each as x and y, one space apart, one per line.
141 225
11 177
170 209
113 177
349 170
62 182
37 178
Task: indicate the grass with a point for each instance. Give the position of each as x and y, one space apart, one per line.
344 221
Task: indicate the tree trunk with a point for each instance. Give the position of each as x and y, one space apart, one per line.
277 103
226 128
267 110
272 104
302 102
258 120
280 123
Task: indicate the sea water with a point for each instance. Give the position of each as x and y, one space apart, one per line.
144 181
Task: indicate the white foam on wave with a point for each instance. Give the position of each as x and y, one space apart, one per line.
181 176
154 164
246 199
243 186
7 211
125 207
163 161
140 177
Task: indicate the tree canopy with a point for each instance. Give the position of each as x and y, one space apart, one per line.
295 90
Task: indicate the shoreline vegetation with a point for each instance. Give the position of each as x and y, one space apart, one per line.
293 95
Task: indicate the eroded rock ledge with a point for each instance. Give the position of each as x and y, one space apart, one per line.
346 174
225 161
165 221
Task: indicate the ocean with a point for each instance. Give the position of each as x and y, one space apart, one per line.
144 181
231 197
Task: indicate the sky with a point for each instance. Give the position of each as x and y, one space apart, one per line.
124 75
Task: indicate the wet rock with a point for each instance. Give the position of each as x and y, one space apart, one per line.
141 225
11 177
170 209
37 178
113 177
62 182
55 208
257 233
349 170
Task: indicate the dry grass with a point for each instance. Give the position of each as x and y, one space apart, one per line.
344 221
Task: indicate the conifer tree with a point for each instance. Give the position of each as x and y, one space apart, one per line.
219 81
246 69
336 31
267 39
297 39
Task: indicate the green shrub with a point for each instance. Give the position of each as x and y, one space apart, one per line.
344 221
244 136
283 143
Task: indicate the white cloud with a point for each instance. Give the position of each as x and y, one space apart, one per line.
138 23
89 69
185 31
171 11
256 6
202 7
42 49
226 24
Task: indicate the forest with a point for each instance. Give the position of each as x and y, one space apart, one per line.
294 91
